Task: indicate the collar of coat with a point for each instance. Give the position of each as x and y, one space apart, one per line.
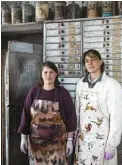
90 84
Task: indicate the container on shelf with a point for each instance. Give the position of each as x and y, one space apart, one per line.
73 10
60 10
107 8
83 10
119 7
6 14
27 12
50 14
92 9
16 14
41 10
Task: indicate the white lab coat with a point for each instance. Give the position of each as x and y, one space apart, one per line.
110 104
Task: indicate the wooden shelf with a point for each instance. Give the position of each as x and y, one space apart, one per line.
22 28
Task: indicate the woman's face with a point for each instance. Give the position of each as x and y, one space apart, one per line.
48 75
92 64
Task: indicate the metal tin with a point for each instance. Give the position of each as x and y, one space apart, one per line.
73 10
107 8
41 11
60 9
27 12
16 14
119 7
92 9
6 15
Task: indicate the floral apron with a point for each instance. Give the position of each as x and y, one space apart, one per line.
47 141
93 130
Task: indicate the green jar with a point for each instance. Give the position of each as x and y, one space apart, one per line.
27 12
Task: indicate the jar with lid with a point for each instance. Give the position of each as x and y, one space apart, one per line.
41 11
60 9
6 14
16 14
73 10
27 12
107 8
92 9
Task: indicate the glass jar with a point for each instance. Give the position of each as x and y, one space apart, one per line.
27 12
41 11
92 9
73 11
6 14
16 14
107 8
119 7
60 9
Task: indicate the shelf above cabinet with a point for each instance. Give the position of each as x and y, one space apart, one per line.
22 28
37 27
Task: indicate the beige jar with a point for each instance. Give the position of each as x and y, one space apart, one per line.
41 11
92 9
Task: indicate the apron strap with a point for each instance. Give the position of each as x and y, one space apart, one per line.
38 93
55 99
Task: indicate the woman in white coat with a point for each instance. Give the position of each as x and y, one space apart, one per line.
99 114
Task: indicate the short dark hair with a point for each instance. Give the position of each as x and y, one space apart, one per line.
51 65
96 54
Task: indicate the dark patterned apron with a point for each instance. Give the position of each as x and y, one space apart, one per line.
47 141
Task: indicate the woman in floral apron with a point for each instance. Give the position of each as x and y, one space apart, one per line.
99 114
46 124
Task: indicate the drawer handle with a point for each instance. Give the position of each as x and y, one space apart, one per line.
62 31
62 52
62 80
62 24
62 38
107 21
62 46
107 55
62 59
60 66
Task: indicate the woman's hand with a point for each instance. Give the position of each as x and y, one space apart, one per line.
69 146
109 152
23 145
